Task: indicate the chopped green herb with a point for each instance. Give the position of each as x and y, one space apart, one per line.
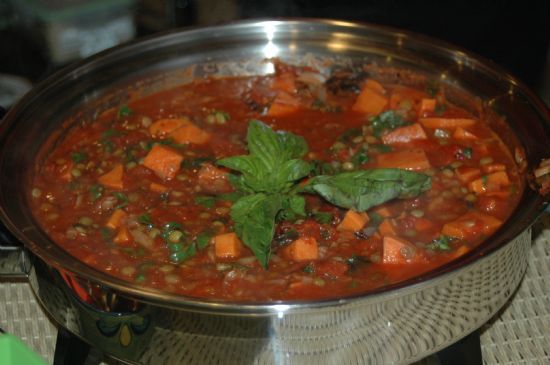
360 157
96 191
388 120
106 234
184 254
441 244
206 201
484 180
79 157
322 217
203 239
122 199
145 219
124 111
109 133
464 153
309 269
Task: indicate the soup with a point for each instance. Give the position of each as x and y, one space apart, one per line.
293 186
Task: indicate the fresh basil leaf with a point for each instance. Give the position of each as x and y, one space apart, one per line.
274 147
273 163
361 190
294 206
388 120
254 217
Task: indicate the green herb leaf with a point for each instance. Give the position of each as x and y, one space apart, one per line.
122 199
79 157
294 206
203 239
360 157
361 190
145 219
322 217
254 217
441 244
96 191
273 164
388 120
206 201
124 111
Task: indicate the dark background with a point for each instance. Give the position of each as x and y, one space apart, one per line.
514 34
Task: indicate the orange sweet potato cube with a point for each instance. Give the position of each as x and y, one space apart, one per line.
164 161
116 219
227 245
353 221
370 102
303 249
113 179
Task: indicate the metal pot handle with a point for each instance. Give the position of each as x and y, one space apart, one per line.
13 258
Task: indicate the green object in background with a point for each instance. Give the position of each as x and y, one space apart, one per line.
15 352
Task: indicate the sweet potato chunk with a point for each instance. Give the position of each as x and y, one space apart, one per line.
409 160
113 179
164 161
399 251
116 219
370 102
227 245
405 134
446 123
303 249
469 224
353 221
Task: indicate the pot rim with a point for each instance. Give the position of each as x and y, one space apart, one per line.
498 240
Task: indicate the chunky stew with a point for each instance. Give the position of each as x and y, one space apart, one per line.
299 185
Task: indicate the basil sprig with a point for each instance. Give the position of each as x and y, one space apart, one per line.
269 175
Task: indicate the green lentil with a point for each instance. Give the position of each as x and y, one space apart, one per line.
417 213
486 160
86 221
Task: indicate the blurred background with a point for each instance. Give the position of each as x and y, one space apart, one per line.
38 37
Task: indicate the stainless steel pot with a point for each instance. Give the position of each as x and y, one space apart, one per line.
396 324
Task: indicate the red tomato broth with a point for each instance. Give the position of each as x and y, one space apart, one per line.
347 264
